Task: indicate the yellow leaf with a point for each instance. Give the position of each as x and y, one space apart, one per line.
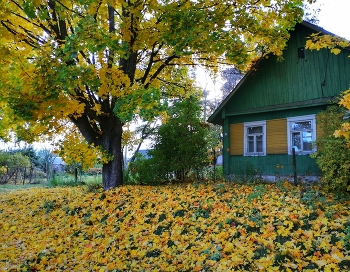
335 51
13 228
321 262
111 266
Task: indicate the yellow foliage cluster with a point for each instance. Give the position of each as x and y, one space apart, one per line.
196 227
345 129
334 43
74 149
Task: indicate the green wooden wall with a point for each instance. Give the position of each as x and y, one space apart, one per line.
273 165
294 81
269 164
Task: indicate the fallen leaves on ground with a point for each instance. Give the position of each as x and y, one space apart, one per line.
193 227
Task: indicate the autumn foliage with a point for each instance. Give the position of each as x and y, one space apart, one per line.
196 227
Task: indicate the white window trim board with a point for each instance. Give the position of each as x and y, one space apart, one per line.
254 124
311 117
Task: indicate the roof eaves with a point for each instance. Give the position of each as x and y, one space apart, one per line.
215 114
317 28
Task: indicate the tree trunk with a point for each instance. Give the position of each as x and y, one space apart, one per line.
111 141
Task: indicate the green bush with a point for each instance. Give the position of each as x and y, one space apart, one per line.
181 147
144 171
180 150
333 155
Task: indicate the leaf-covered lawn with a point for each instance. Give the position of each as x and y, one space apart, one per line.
196 227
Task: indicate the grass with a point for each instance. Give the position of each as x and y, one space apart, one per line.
69 180
5 188
65 180
191 227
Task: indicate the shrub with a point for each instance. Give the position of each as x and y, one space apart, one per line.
333 153
180 150
144 171
181 146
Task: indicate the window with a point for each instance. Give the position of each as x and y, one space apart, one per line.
301 134
255 139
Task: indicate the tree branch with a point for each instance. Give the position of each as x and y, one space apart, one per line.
33 37
14 32
84 126
16 4
160 68
98 7
71 10
151 61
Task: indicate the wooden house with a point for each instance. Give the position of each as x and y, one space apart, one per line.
273 109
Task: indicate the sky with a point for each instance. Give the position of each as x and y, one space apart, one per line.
333 17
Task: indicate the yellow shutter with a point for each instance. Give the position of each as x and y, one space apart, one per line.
236 139
276 136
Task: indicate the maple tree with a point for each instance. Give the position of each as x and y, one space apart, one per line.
97 63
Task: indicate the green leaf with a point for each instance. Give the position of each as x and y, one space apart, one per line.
29 9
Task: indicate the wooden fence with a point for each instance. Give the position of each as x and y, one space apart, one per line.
22 175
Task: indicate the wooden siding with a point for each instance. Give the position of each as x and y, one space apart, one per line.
272 115
236 139
273 165
276 136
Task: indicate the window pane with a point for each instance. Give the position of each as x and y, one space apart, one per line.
306 125
307 141
253 130
259 143
250 143
296 141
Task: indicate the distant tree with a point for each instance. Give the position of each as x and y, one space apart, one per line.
13 160
30 152
311 13
46 159
231 78
145 131
208 105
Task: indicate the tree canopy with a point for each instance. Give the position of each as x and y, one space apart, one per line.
95 64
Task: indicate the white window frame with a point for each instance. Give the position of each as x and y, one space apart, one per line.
255 124
290 120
